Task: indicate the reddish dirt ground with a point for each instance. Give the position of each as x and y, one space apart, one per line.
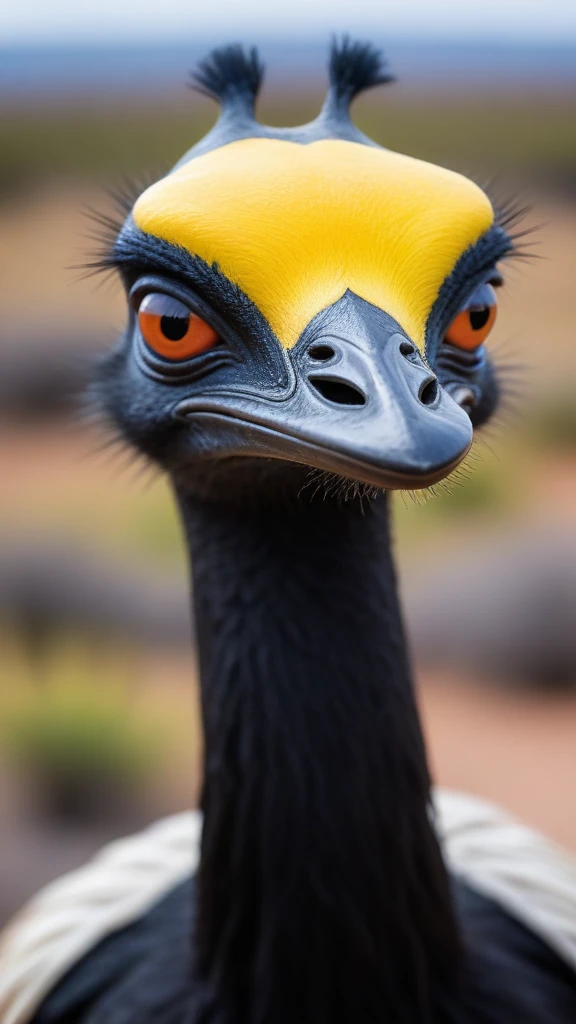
516 749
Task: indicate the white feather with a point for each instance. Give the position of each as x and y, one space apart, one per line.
522 871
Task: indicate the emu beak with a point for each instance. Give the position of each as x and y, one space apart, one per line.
363 404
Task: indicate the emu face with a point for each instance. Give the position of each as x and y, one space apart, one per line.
306 295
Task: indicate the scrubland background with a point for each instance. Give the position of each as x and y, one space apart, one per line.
99 728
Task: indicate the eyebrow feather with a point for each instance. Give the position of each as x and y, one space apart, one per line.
474 264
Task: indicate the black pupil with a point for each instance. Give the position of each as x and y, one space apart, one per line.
479 318
174 327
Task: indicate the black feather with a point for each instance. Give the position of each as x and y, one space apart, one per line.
229 74
354 67
109 223
145 971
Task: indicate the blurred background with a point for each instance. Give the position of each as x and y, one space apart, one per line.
99 728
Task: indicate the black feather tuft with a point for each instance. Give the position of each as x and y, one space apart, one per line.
510 214
354 67
230 74
107 224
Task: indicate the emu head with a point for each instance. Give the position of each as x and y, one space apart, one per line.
305 295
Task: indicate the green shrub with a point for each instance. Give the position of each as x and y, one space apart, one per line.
81 750
481 491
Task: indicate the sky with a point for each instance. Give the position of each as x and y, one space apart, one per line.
108 21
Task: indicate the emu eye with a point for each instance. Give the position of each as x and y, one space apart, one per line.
171 330
474 322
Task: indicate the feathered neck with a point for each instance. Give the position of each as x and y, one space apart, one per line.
322 895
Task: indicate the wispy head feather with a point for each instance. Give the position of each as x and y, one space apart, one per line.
355 67
231 75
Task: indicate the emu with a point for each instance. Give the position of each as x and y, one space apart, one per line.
308 316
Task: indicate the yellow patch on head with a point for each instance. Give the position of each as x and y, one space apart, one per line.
295 226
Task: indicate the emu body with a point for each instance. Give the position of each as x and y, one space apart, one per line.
286 363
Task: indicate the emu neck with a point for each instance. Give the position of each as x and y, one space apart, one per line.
322 896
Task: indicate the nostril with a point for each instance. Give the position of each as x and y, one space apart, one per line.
410 352
321 352
429 391
337 391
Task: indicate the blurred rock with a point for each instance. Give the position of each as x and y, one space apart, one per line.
506 609
44 375
52 587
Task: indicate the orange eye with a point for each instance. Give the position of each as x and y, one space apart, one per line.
473 324
171 329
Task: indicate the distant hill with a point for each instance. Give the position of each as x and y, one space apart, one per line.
51 72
